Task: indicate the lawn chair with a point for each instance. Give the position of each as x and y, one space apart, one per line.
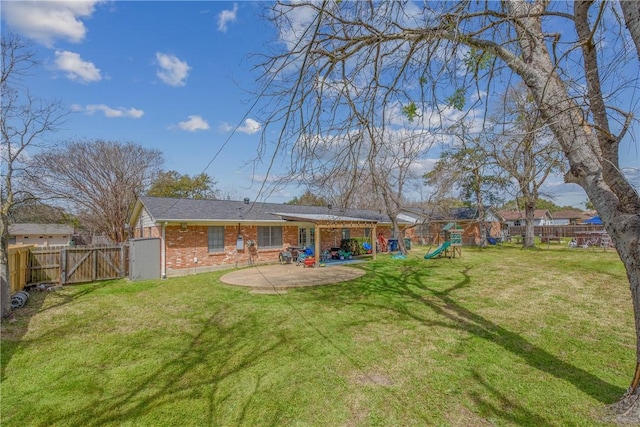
285 257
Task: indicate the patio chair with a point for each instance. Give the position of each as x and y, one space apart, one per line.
285 257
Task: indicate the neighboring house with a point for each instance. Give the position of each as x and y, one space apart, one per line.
570 217
208 234
40 234
466 218
517 217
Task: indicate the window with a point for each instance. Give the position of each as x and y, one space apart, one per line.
346 234
216 239
306 237
269 237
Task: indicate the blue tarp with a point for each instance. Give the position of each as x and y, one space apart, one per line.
593 221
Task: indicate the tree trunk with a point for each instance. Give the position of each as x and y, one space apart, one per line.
631 11
481 211
5 285
590 148
529 235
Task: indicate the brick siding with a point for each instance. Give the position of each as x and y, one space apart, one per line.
188 248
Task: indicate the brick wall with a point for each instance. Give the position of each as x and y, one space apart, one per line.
189 248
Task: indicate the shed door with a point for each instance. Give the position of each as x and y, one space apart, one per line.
144 258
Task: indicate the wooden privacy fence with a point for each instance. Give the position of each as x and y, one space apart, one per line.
18 267
555 230
44 265
78 264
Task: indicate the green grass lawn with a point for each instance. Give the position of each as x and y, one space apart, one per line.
502 336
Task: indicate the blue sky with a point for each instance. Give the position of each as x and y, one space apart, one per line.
174 76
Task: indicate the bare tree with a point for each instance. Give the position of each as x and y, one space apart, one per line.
523 146
346 63
34 211
24 121
99 179
392 167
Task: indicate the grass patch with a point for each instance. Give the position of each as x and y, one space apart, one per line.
500 337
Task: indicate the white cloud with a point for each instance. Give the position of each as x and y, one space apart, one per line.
250 126
108 111
293 28
172 70
76 68
195 123
46 21
227 16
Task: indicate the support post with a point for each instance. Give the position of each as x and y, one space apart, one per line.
374 241
317 245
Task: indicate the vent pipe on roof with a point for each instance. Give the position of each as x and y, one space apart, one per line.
246 200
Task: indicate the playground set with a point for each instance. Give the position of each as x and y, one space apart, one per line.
451 238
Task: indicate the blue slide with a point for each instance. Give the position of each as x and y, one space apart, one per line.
438 250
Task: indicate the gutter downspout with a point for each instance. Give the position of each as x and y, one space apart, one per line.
163 254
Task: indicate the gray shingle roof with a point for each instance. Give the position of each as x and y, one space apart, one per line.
49 229
174 209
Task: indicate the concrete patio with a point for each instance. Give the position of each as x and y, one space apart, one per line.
275 279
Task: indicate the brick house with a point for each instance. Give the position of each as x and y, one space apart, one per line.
203 235
466 218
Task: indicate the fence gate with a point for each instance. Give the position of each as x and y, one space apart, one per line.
144 258
44 265
80 265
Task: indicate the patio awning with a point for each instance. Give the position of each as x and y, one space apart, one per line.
328 220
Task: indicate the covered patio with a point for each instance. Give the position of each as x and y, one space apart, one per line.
329 222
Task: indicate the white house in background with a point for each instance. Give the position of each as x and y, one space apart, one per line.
517 218
570 217
40 234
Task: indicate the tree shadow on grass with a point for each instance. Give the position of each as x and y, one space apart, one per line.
16 326
408 283
219 351
509 410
